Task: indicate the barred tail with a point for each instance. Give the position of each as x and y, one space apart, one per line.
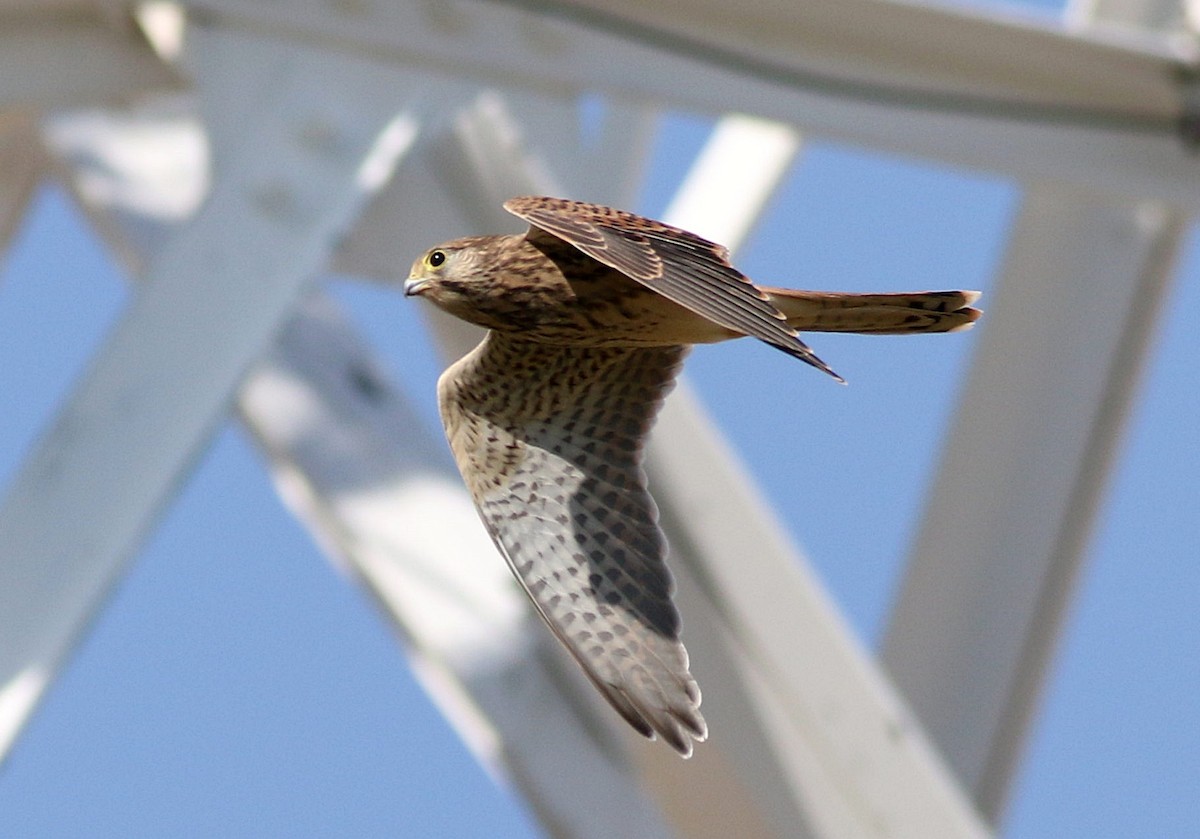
879 314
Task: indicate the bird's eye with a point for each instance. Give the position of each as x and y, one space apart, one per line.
436 258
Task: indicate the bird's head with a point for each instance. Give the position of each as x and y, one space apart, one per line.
445 269
484 280
455 276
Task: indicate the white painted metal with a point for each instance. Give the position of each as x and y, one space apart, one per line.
1130 17
217 292
23 163
817 741
710 795
735 784
815 730
519 152
734 177
378 492
750 789
608 168
777 776
1021 97
995 563
142 170
825 725
1007 525
107 62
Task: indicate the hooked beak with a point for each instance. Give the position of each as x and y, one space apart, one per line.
414 286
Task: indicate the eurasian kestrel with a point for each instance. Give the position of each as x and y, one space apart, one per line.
590 314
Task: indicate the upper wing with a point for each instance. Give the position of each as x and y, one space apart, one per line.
549 441
680 266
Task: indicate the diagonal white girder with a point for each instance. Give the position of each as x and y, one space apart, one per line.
771 769
995 563
23 163
815 726
217 292
386 499
110 60
380 494
354 462
776 768
1008 94
711 795
1113 71
779 764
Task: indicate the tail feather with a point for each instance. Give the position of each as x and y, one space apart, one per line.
877 314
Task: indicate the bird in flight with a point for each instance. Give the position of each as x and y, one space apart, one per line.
589 315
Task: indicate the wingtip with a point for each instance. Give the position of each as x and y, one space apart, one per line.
825 368
682 732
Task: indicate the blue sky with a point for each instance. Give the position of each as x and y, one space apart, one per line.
238 685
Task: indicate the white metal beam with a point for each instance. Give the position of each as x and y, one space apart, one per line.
812 725
711 795
838 798
777 764
217 292
1101 113
780 768
500 149
23 163
378 492
815 728
995 562
733 178
607 168
1006 527
1128 17
737 784
382 498
108 63
138 172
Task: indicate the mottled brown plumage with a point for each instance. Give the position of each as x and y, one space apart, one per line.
590 314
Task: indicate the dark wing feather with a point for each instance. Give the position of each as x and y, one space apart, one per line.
679 265
549 440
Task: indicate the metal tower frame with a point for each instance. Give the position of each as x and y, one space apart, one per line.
467 102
